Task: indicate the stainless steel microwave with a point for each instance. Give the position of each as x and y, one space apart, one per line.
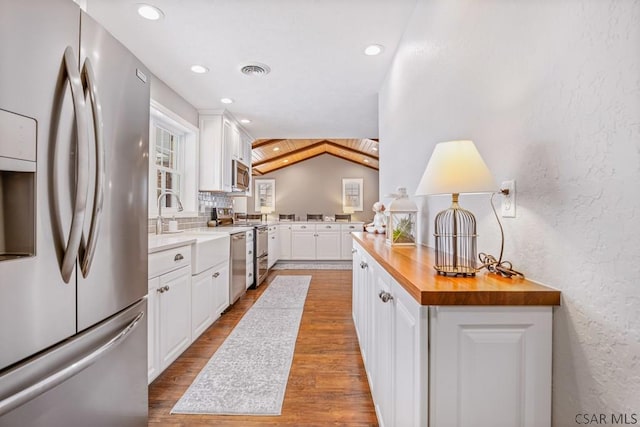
241 176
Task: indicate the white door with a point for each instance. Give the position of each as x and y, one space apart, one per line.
221 283
175 314
284 238
303 245
202 309
327 245
153 359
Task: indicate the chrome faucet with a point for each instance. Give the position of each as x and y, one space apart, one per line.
159 218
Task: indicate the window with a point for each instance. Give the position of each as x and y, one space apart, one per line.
168 168
172 162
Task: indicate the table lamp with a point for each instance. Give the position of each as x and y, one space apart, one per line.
456 167
265 210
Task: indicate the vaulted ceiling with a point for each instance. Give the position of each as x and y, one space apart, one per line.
272 154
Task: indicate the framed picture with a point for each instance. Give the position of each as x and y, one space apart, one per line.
352 194
265 195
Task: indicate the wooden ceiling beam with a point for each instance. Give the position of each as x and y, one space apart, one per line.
258 144
284 165
290 153
353 161
353 151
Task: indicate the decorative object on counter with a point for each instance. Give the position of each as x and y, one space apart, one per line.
346 217
286 217
379 223
314 217
401 225
352 194
265 211
456 167
265 194
250 357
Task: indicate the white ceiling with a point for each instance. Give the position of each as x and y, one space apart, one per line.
321 84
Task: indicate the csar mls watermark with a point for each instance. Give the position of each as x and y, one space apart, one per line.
585 418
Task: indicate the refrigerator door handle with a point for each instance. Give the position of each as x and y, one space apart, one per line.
64 374
82 166
86 255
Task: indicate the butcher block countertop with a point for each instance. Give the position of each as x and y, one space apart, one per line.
412 267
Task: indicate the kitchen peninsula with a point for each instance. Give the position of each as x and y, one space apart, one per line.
447 350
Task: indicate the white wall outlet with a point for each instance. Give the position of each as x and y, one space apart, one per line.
509 200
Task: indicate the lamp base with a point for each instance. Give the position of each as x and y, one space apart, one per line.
455 271
455 241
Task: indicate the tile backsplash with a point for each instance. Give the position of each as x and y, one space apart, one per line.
209 201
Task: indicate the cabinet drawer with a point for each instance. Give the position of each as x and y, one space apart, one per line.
327 227
303 227
351 227
171 259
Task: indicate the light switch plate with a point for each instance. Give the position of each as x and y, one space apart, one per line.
509 200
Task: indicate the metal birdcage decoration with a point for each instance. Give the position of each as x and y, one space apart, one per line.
401 222
455 241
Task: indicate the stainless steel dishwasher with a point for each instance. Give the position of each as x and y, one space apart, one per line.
238 266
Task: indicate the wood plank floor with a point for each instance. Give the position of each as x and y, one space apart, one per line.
327 384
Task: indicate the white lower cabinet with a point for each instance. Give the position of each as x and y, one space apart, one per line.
284 238
169 323
444 366
209 297
273 247
303 245
221 296
491 366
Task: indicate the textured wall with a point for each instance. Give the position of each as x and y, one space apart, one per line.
315 186
550 93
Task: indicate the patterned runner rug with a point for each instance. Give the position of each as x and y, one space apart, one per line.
248 374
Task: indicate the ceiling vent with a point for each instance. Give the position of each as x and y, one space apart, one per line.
255 69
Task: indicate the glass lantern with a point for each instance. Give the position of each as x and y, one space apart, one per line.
401 222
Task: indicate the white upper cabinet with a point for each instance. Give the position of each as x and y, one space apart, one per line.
222 140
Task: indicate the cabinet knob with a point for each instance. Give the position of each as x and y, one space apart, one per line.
385 296
363 265
216 274
250 274
178 257
327 226
163 289
304 226
250 252
353 251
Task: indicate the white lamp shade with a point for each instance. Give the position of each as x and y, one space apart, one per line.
456 167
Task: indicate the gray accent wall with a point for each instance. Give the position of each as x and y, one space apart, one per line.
315 186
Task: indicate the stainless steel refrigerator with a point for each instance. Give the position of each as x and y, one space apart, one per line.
74 124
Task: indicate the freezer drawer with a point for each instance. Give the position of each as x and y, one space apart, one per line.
88 398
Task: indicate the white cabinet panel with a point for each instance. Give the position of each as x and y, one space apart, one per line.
175 314
303 245
327 245
284 237
273 245
220 288
507 347
202 310
153 356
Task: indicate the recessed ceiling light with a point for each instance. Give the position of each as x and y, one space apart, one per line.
374 49
374 149
226 100
245 121
276 148
199 69
285 161
366 160
149 12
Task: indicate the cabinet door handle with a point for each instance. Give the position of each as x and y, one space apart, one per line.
385 296
304 226
250 252
327 226
250 274
353 251
363 265
166 288
216 274
178 257
160 290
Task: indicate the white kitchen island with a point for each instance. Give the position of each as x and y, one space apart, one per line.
442 351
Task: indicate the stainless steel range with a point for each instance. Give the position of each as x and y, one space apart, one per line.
224 217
